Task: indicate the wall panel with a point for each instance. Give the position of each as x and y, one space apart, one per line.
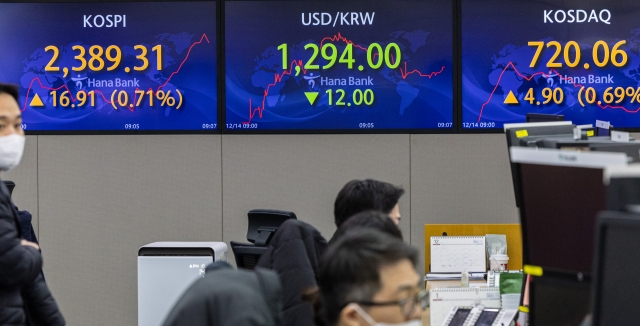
459 179
102 197
304 173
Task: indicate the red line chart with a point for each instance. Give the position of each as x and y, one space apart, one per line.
551 73
104 98
299 63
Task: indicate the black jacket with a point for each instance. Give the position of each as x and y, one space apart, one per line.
229 297
294 253
40 306
19 265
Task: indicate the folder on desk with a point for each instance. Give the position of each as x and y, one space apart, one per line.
458 254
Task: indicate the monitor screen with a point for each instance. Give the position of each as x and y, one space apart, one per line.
101 67
575 58
616 294
339 65
558 214
558 302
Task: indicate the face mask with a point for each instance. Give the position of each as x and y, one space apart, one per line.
11 149
365 315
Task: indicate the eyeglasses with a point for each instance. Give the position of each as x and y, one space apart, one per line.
406 305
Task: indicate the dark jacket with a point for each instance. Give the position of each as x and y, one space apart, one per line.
40 306
229 297
294 253
19 265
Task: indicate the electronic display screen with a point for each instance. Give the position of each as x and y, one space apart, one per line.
460 316
579 59
338 65
558 215
558 301
112 67
487 317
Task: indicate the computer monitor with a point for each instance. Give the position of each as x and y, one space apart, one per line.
632 150
517 131
558 301
540 117
561 193
601 144
616 291
623 188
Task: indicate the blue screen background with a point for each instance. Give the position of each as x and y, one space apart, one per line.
186 30
415 96
496 59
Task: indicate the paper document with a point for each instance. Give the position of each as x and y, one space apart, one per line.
458 254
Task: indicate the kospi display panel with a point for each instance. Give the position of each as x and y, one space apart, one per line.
576 58
101 67
338 65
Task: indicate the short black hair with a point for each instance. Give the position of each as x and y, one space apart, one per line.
368 219
361 195
10 89
350 268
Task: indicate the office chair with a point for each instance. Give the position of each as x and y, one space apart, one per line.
263 224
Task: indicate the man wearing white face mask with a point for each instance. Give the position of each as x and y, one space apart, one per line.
24 296
369 278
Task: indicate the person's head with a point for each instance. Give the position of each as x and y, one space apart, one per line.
10 115
369 277
11 133
361 195
368 219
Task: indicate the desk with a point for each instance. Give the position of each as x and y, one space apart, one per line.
426 316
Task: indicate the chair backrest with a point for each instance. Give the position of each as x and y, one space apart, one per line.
246 254
263 224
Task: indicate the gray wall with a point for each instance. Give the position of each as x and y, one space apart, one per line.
97 199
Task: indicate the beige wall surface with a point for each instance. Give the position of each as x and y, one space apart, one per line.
459 179
102 197
97 199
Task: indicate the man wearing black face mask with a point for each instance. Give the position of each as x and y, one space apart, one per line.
21 282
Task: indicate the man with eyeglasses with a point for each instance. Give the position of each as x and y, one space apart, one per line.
369 278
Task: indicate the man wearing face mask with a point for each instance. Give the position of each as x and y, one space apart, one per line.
24 297
369 278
